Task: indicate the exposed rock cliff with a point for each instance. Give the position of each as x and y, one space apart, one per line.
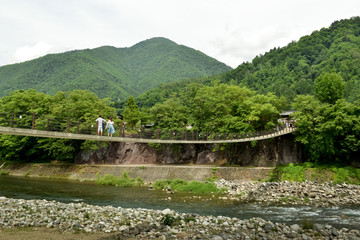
265 153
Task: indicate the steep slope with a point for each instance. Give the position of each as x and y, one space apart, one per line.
290 70
160 56
109 71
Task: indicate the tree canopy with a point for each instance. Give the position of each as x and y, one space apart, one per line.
132 114
81 105
329 87
291 70
329 132
218 109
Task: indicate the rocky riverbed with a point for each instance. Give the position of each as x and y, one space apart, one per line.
125 223
299 193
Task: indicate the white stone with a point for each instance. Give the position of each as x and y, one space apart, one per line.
168 211
295 227
123 228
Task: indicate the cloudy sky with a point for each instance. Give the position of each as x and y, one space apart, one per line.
232 31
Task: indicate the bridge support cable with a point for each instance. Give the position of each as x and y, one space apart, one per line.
29 124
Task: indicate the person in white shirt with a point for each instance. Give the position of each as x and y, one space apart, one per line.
100 121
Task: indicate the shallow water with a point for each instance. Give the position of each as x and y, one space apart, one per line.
74 191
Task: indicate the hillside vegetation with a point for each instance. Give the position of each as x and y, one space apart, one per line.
290 71
318 76
110 72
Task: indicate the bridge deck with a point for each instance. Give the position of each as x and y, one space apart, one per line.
50 134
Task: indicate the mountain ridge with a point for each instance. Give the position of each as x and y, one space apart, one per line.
109 71
290 70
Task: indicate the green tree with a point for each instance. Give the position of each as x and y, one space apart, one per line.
82 106
25 101
218 109
264 111
170 115
21 148
329 87
329 132
292 69
307 115
215 109
132 113
79 105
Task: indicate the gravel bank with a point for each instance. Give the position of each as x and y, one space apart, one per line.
304 193
125 223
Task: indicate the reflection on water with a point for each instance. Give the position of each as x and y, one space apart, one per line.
72 191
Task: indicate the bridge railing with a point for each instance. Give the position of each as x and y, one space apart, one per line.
28 120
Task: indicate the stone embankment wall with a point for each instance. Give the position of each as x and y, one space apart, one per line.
264 153
148 173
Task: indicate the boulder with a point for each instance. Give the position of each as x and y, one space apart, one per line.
206 157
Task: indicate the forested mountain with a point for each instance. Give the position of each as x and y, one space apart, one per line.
312 75
291 70
109 71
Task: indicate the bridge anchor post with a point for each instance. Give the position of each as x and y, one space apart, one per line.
33 121
68 125
12 120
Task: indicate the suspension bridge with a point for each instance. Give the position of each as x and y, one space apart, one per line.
28 124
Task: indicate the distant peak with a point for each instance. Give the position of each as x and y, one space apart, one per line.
155 40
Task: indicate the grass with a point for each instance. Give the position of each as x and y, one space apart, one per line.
306 224
288 199
312 172
30 170
169 220
123 181
347 175
3 172
213 177
291 172
28 173
184 186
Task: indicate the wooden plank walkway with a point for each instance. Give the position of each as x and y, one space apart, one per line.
51 134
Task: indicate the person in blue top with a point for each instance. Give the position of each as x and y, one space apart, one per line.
110 127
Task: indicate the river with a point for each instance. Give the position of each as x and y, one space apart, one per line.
136 197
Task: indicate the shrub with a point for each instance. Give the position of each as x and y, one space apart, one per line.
169 220
184 186
290 172
341 175
199 187
123 181
296 172
346 174
306 224
161 184
189 219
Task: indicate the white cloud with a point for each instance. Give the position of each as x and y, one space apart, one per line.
231 31
30 52
236 47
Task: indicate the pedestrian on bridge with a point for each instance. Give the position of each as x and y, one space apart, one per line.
110 127
100 122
